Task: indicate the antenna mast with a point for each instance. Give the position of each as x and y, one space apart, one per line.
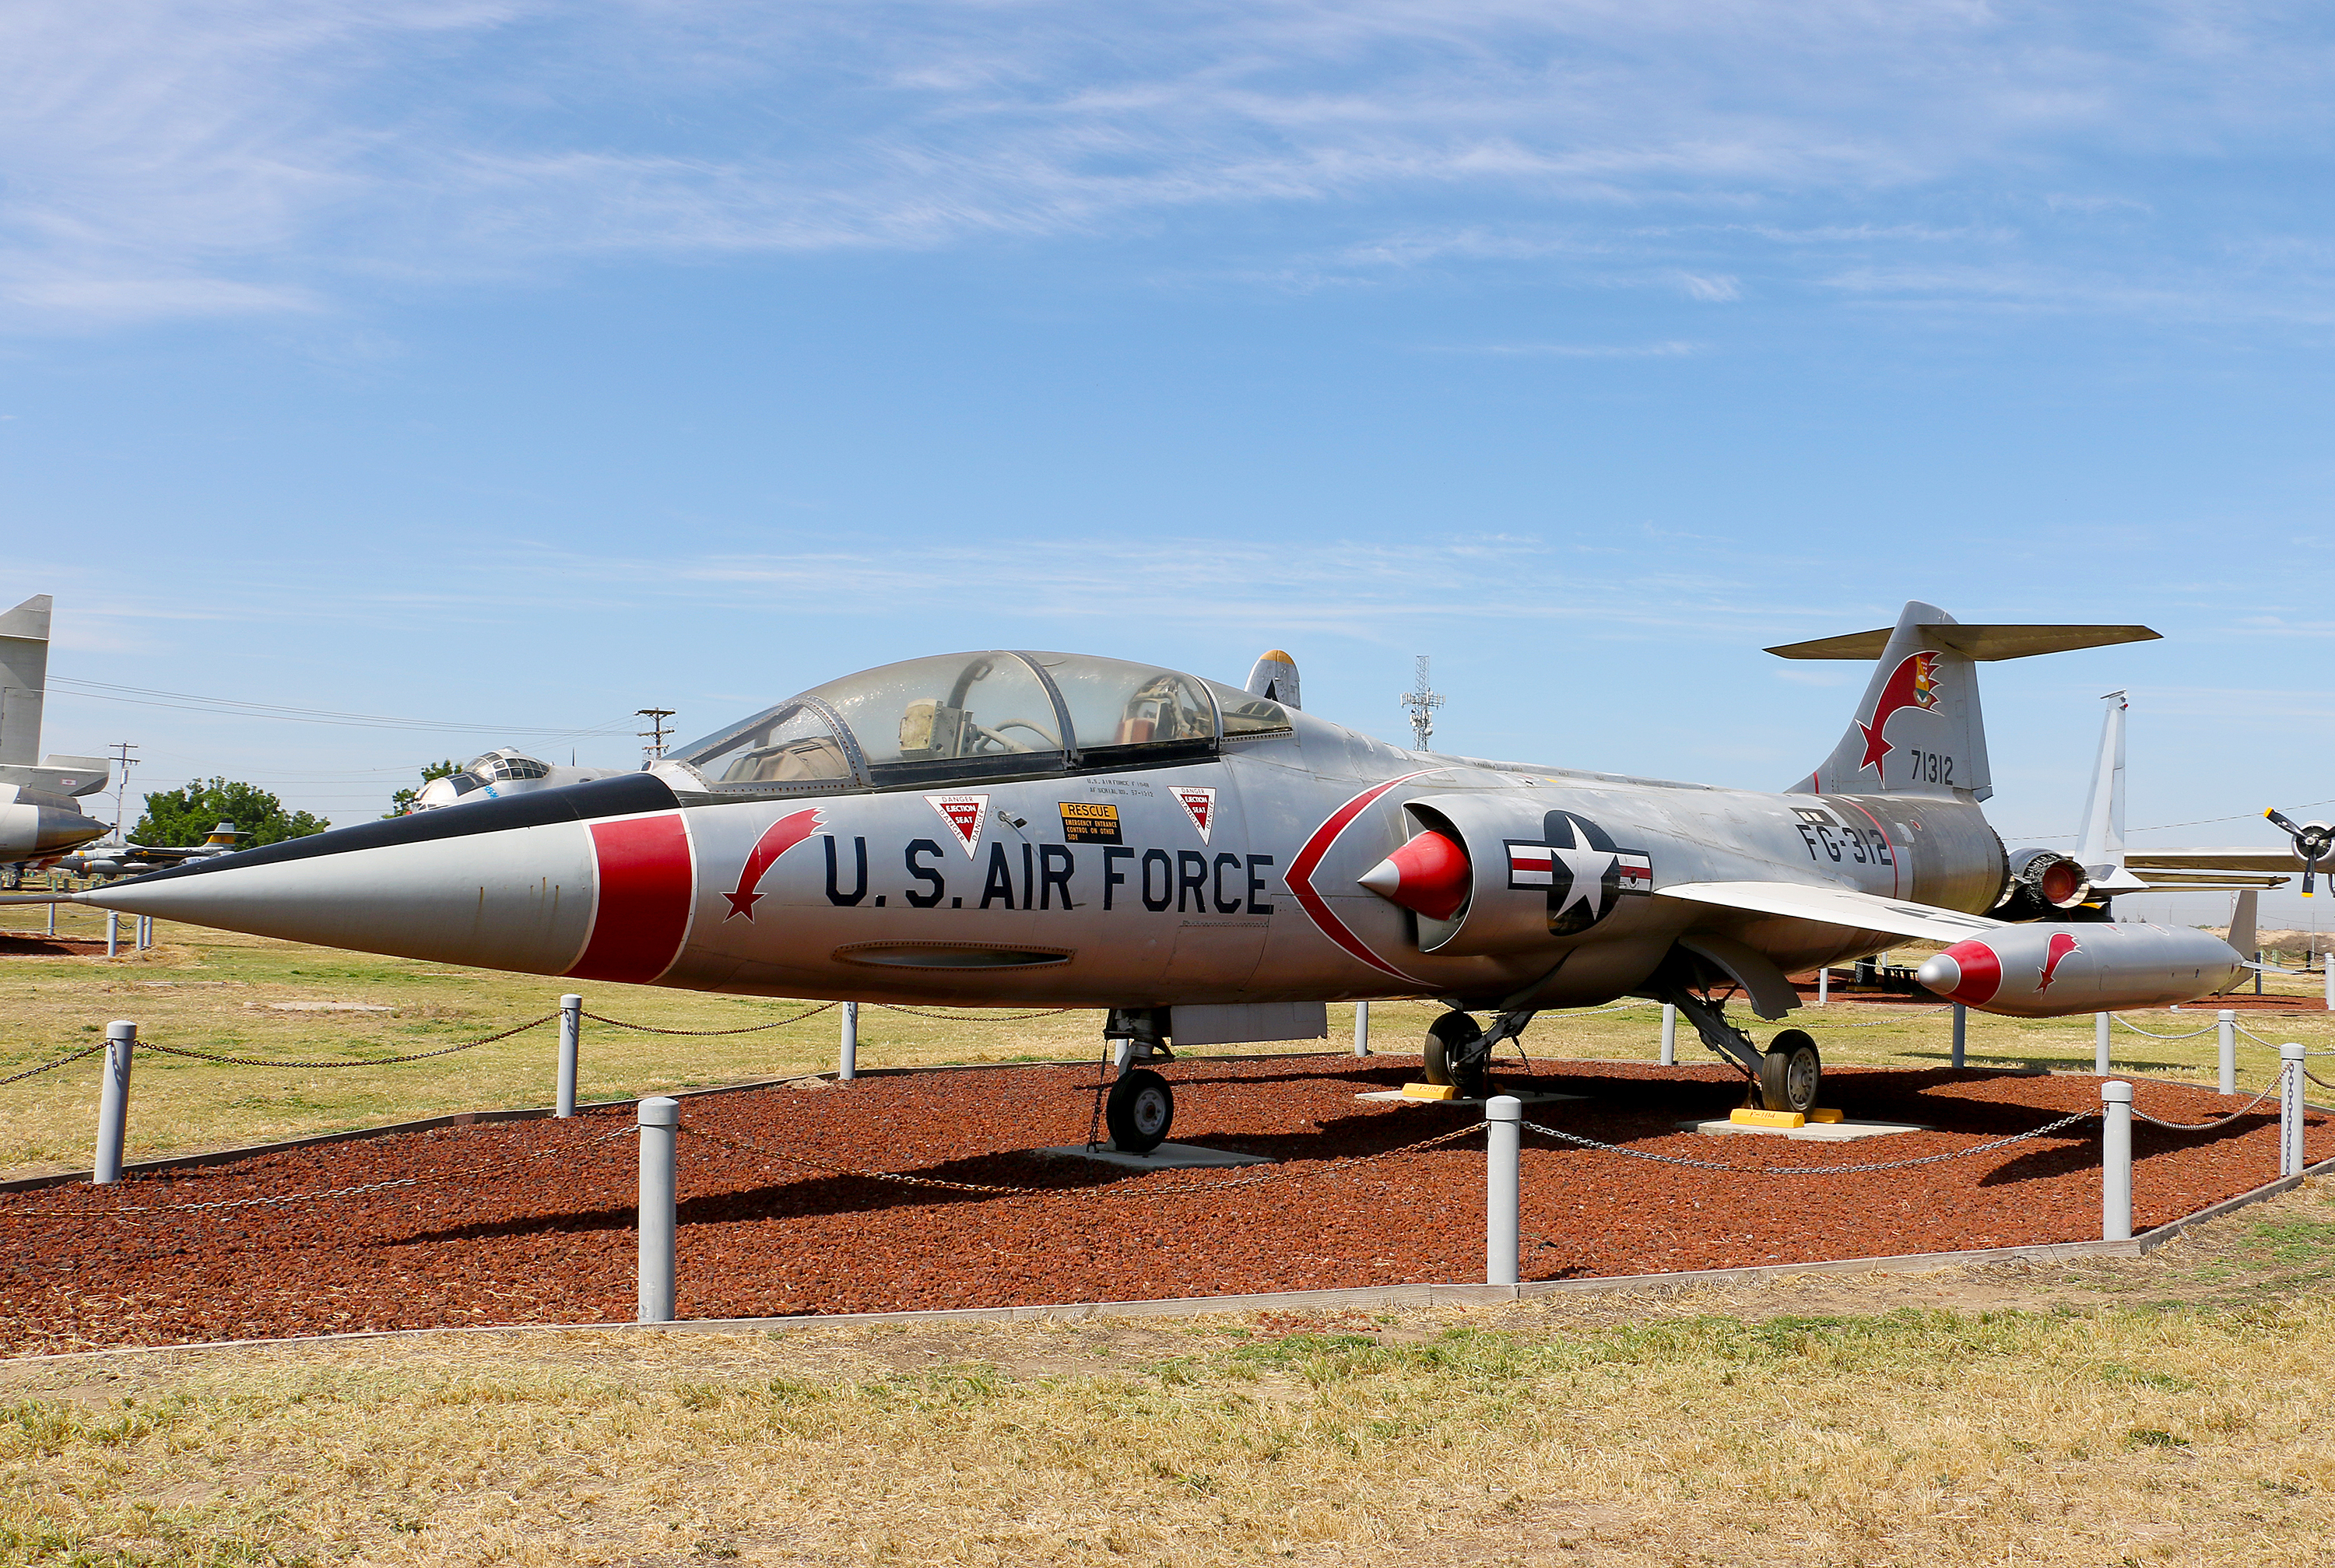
1422 704
655 733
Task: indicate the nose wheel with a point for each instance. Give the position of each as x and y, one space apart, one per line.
1139 1111
1457 1054
1791 1072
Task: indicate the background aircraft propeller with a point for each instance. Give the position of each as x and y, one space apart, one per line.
2312 841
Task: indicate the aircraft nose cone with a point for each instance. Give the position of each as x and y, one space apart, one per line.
1429 875
58 830
594 880
1940 973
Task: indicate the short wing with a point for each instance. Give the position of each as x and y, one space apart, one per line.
1835 907
2234 859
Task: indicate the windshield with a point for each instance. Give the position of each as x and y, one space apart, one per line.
788 744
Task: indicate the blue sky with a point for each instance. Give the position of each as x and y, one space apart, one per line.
516 365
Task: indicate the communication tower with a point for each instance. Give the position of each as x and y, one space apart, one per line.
1422 704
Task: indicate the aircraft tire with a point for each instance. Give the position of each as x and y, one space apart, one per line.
1451 1056
1138 1111
1791 1072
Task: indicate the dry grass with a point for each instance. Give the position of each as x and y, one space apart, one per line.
1639 1430
210 991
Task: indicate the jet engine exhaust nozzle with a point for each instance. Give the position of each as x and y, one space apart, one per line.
1429 875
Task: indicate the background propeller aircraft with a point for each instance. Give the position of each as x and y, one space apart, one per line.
1212 864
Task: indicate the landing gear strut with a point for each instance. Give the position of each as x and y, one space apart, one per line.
1140 1106
1787 1075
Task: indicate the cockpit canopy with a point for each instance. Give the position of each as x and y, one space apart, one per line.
965 716
503 766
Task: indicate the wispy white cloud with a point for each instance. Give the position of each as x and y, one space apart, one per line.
237 155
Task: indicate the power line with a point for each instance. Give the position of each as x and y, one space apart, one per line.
144 697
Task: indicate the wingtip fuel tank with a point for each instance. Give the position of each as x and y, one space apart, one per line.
2054 970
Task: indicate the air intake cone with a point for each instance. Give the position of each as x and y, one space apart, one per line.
1429 875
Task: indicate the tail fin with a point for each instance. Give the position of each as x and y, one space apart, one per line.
2099 846
1918 730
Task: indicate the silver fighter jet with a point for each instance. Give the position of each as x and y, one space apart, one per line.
1212 865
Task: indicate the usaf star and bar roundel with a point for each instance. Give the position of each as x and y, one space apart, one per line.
1585 871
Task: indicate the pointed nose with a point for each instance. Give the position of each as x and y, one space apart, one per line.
1967 972
58 830
594 879
1429 875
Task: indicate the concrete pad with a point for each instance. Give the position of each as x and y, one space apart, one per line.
1396 1097
1815 1132
1166 1157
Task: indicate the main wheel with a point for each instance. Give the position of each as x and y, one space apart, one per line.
1453 1055
1791 1073
1138 1111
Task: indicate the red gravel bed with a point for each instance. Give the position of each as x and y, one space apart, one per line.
551 1240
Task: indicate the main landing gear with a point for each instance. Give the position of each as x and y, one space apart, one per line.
1787 1075
1140 1106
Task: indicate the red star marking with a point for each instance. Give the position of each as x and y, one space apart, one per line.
1876 745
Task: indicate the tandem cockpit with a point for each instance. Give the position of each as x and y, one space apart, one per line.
956 718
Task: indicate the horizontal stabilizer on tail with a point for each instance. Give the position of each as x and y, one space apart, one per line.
1985 643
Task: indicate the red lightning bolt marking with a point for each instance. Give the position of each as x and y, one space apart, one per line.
2061 944
1908 687
776 839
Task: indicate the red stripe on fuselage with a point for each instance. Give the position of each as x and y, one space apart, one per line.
646 885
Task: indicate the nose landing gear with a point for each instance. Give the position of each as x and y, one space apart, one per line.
1138 1111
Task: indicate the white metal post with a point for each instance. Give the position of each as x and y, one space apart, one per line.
145 932
113 1099
1669 1034
1361 1029
660 1122
1962 1034
2327 967
2100 1043
1824 984
1503 1134
850 1062
113 932
2226 1022
2289 1110
53 908
2116 1161
571 1042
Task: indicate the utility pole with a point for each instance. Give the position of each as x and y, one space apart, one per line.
655 733
1422 704
123 762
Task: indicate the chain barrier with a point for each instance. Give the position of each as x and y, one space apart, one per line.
52 1066
277 1199
345 1062
747 1029
2140 1115
2191 1035
1813 1169
747 1147
981 1017
2313 1077
2258 1039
